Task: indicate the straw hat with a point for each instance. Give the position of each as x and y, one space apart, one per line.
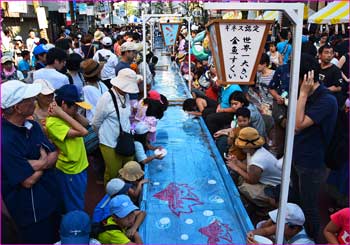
90 68
98 35
249 138
131 171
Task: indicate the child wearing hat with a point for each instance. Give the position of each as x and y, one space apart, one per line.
132 173
261 169
114 187
75 228
65 129
127 219
294 232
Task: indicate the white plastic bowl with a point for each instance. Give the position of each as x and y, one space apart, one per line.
161 152
262 240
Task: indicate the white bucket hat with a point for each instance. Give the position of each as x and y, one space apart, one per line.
126 81
14 91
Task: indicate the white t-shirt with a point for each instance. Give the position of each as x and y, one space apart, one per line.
264 160
91 96
110 61
55 78
140 154
30 42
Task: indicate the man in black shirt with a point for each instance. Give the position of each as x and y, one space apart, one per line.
330 74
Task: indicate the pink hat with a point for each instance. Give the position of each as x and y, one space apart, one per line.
154 95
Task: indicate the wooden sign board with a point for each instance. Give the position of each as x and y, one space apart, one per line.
170 31
236 47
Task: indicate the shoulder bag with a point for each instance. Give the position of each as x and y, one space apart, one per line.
125 142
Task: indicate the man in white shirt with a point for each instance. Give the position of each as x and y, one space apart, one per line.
105 56
55 61
260 170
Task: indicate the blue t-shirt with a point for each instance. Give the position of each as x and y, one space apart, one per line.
23 65
280 48
225 95
20 144
310 144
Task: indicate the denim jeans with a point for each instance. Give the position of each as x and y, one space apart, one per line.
306 184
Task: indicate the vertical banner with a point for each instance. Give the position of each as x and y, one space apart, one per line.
170 32
237 46
42 20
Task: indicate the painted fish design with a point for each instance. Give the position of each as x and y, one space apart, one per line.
180 198
217 231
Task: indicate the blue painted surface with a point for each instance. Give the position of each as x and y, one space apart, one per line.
194 172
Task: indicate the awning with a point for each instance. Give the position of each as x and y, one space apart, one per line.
334 13
232 15
269 15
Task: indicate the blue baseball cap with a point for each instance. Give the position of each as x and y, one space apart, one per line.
40 49
69 93
75 228
122 206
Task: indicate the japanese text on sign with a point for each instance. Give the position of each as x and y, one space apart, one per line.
240 44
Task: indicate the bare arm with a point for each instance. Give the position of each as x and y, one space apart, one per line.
334 88
140 216
251 175
30 181
201 104
77 129
302 120
330 232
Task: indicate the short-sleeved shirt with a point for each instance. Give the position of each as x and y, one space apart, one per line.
263 159
113 236
121 65
20 144
55 78
310 143
225 95
342 220
23 65
331 76
140 153
72 158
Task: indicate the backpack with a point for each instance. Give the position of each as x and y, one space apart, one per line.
99 227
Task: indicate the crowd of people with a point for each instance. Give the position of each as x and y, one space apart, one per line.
83 96
64 104
248 124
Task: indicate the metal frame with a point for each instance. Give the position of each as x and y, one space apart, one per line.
295 12
145 18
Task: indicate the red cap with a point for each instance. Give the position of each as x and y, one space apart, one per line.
154 95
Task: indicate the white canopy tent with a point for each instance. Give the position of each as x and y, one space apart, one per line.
334 13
